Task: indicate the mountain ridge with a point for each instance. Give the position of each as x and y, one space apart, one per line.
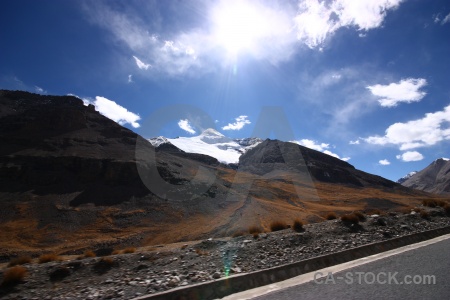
435 178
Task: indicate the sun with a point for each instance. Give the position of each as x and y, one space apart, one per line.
238 26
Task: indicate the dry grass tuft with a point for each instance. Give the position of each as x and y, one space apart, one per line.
254 229
129 250
297 226
255 235
446 208
115 252
360 216
104 265
278 225
201 252
45 258
424 214
89 253
350 219
330 216
21 260
14 276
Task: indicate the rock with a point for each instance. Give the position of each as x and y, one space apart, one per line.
216 275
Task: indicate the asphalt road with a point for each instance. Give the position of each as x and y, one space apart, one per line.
382 279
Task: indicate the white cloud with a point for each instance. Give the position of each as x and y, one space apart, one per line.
446 19
428 131
407 90
186 126
266 30
317 20
241 121
141 65
410 156
113 111
384 162
130 78
313 144
322 147
39 90
356 142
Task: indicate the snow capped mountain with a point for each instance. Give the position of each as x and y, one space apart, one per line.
157 141
213 143
406 177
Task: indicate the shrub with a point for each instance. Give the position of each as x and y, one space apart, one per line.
89 253
446 208
255 235
115 252
360 216
21 260
278 225
254 229
441 203
330 216
45 258
200 252
429 203
424 214
103 265
14 276
297 226
350 218
129 250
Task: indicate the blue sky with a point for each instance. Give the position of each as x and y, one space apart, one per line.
367 81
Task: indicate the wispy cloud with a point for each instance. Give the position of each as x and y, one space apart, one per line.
241 121
437 19
113 111
384 162
141 65
322 147
39 90
130 78
427 131
406 90
355 142
446 19
186 126
410 156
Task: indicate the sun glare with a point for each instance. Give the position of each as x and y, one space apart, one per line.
238 26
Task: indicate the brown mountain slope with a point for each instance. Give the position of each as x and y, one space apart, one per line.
71 179
433 179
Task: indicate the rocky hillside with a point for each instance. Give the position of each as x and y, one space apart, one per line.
433 179
72 179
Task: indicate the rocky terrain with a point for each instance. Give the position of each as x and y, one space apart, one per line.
435 178
73 180
163 267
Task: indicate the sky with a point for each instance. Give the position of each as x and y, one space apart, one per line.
367 81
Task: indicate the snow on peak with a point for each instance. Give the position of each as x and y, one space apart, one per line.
158 141
212 136
446 159
213 143
407 176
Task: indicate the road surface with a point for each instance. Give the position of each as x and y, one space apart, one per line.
420 273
